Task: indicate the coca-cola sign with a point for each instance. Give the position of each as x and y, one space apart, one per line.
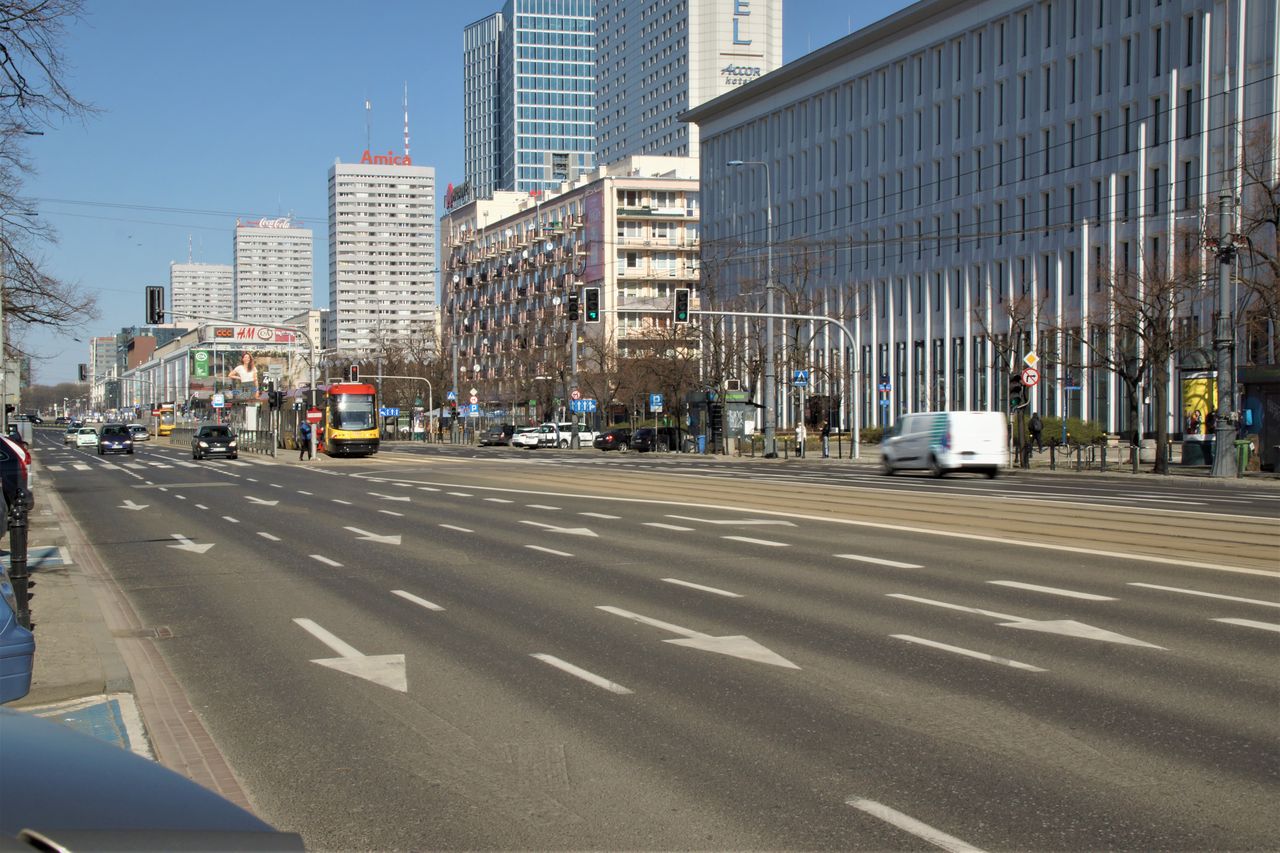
282 222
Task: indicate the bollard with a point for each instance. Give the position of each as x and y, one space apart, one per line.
1133 456
18 574
1053 462
1102 466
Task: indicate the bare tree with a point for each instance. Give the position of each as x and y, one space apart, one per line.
1139 332
32 92
1259 265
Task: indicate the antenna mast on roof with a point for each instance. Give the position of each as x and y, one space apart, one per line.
189 249
406 119
368 120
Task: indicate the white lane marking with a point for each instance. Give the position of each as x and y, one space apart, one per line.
80 466
548 550
1053 590
309 494
968 653
338 501
391 512
403 485
459 529
922 531
1250 623
422 602
735 522
994 615
325 560
878 561
180 497
385 670
710 589
499 501
541 506
162 488
737 645
231 519
908 824
661 526
461 494
427 489
201 506
265 535
589 677
53 467
275 485
1208 594
751 541
251 479
600 515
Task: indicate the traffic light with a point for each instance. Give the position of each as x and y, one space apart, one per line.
682 305
83 372
591 296
572 307
1017 391
155 304
353 373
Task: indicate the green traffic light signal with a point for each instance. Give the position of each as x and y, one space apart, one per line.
682 305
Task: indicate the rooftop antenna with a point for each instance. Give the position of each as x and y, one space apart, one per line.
189 249
406 119
368 124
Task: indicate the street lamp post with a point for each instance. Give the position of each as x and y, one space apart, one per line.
770 438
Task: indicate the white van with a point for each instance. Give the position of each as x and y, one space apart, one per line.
941 442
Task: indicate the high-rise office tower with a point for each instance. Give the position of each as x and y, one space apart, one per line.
529 95
199 291
382 253
272 270
655 60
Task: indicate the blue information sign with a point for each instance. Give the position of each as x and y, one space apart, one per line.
473 408
801 378
582 405
452 395
655 402
390 411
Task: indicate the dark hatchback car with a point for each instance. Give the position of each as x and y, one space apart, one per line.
496 436
648 439
214 440
115 438
14 478
618 438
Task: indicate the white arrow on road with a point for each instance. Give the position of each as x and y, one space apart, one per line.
374 537
185 544
386 670
252 499
575 531
736 521
128 504
390 497
1066 627
736 646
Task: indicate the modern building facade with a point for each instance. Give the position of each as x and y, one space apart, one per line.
963 183
529 96
482 104
382 253
201 291
273 270
512 261
655 60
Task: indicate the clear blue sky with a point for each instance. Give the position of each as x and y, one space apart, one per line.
209 111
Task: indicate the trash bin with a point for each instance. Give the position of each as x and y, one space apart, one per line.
1242 454
702 444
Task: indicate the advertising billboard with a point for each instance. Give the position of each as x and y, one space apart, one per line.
593 209
240 375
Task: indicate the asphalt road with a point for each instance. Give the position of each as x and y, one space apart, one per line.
678 657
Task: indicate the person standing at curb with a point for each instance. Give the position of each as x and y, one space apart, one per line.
1036 427
801 435
304 440
826 439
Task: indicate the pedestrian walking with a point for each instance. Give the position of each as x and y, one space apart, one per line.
826 440
801 435
304 441
1036 427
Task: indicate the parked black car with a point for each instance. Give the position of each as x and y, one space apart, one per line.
214 440
115 438
14 479
497 435
648 439
618 438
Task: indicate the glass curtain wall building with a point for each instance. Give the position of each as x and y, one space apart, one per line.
543 83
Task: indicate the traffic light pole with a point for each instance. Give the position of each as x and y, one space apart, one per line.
1224 433
819 318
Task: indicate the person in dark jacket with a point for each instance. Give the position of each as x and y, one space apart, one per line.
1036 427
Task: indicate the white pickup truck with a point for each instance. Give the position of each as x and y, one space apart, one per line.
553 435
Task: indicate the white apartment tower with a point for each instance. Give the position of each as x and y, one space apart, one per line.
273 266
655 60
382 253
201 290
